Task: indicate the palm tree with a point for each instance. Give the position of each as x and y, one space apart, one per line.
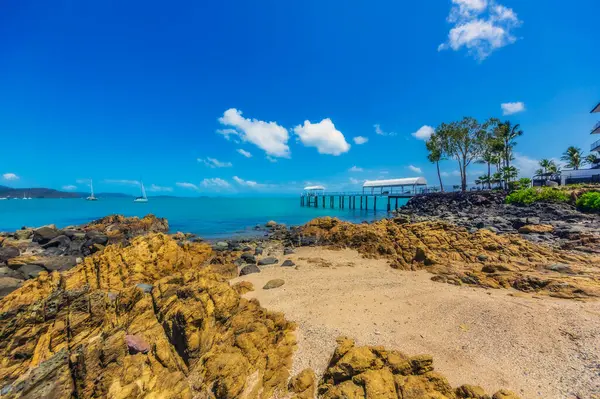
434 146
573 157
553 168
545 164
509 173
507 133
486 179
497 179
592 159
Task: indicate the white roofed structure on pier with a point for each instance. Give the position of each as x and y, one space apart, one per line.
388 185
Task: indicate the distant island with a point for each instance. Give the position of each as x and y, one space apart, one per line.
41 192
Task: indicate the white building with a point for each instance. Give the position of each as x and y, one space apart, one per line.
591 175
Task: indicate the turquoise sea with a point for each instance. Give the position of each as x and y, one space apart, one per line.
207 217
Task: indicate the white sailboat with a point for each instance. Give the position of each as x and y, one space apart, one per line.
92 197
143 197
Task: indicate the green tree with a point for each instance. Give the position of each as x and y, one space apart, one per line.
486 180
434 146
545 164
463 141
573 157
509 173
524 182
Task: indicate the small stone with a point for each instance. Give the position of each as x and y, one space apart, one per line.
488 269
288 251
258 251
247 248
147 288
268 261
288 263
248 258
276 283
482 258
536 229
136 344
560 268
221 246
249 270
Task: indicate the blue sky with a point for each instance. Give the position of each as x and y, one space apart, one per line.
237 97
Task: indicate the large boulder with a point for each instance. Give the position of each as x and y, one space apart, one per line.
30 271
268 261
8 272
61 241
8 285
248 258
23 234
249 270
44 234
7 253
56 263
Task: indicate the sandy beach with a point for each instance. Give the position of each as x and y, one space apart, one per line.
539 347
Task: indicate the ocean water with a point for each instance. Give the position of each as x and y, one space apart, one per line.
209 218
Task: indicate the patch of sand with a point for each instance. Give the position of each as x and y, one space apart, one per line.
539 348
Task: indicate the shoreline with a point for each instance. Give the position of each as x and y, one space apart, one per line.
514 310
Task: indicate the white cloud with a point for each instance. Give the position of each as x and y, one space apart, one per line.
187 185
424 133
155 188
355 169
227 133
244 153
512 108
527 166
268 136
10 176
455 173
215 183
356 181
271 159
360 140
323 136
69 187
214 163
250 183
121 181
415 169
480 26
380 132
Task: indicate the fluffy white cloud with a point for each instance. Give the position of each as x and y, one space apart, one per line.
323 136
214 163
380 132
215 183
187 185
455 173
244 153
480 26
424 133
69 187
268 136
512 108
355 169
415 169
356 181
249 183
121 181
10 176
360 140
155 188
527 166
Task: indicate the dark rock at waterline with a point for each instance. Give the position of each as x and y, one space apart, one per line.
8 252
268 261
249 270
61 241
44 234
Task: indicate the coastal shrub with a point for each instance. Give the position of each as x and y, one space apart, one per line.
528 196
589 202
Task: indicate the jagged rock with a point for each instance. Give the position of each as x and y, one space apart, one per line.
374 373
471 391
7 253
249 270
268 261
303 385
44 234
288 263
275 283
536 229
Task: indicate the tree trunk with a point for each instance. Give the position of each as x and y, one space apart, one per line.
489 176
440 176
463 176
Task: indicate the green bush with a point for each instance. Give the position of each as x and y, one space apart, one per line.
589 202
528 196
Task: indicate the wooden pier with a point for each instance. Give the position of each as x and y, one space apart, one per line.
356 200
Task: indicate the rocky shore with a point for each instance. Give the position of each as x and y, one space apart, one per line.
117 308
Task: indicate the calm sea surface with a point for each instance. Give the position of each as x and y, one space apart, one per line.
207 217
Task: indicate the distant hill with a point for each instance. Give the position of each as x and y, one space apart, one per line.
10 192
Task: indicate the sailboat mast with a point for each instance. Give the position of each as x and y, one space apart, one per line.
92 187
143 191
